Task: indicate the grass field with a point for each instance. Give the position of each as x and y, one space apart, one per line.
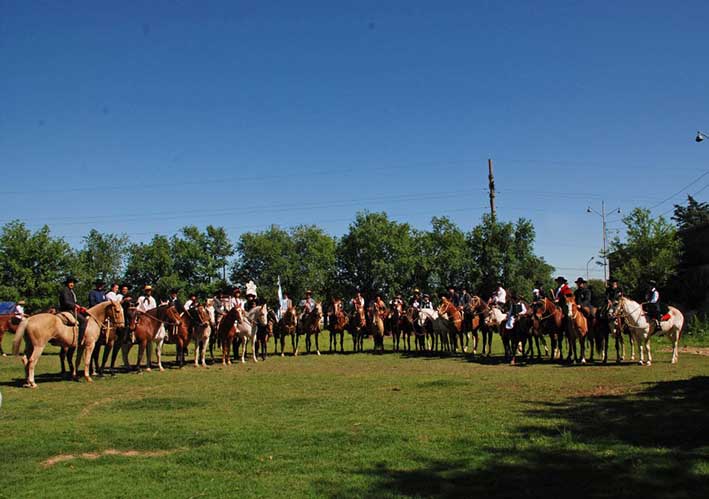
360 425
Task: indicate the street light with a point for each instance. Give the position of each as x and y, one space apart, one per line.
701 136
587 263
602 214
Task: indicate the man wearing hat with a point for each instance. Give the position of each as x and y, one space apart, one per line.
583 297
113 294
499 297
20 309
236 300
146 301
652 303
613 292
562 292
538 292
415 300
97 295
67 303
308 304
426 303
174 300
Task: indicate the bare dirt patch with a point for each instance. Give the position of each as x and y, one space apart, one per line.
694 350
60 458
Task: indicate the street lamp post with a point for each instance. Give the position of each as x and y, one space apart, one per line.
602 214
701 136
587 263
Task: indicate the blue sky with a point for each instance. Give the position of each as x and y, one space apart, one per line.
145 117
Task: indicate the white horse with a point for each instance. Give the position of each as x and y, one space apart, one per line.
642 329
247 327
440 328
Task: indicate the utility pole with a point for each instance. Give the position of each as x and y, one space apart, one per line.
602 214
491 179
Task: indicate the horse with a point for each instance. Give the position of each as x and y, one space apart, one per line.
495 320
549 319
310 325
8 322
148 328
643 329
272 330
396 319
337 321
263 331
407 327
454 320
201 329
376 326
357 328
577 329
430 321
476 315
288 326
247 326
41 328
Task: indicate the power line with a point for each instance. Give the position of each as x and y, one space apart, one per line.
681 190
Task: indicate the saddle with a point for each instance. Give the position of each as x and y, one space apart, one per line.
67 319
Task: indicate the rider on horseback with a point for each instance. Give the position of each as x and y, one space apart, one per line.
583 297
67 303
538 292
652 305
563 291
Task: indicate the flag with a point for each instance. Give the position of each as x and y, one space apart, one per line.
280 298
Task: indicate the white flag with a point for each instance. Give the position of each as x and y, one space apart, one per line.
280 299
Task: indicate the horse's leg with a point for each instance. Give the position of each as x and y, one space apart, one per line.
88 358
31 364
648 351
317 342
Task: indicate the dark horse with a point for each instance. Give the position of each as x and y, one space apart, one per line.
338 321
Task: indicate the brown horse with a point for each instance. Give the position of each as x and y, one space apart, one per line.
227 332
454 320
311 326
549 319
474 320
288 326
337 322
148 328
357 328
8 322
577 330
41 328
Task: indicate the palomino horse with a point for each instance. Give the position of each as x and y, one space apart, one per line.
337 321
376 326
148 328
357 328
201 326
288 326
42 328
642 329
310 325
454 321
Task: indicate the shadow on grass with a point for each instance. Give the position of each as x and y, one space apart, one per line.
649 444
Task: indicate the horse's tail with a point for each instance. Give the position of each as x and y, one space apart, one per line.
19 334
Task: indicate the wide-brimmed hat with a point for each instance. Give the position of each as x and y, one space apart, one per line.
308 292
70 279
560 279
652 283
174 291
22 302
417 290
147 287
125 285
612 279
580 280
99 282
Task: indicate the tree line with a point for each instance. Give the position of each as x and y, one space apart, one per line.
376 254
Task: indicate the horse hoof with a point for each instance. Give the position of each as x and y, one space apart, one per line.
148 370
162 369
583 361
89 380
29 385
283 355
648 364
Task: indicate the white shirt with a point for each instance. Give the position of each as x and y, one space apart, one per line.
359 300
499 296
114 296
146 303
655 296
19 311
237 302
188 305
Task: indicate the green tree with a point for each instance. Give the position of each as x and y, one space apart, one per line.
692 215
504 252
152 263
443 256
651 250
376 254
100 257
32 265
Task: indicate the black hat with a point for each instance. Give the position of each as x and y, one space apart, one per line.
99 282
124 285
560 279
174 291
580 280
70 279
652 283
612 279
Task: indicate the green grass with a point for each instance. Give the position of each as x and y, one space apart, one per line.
363 426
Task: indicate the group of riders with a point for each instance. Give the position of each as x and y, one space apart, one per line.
458 302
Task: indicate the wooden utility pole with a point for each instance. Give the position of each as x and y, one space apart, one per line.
491 179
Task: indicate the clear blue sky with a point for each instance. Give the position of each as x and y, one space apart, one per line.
145 117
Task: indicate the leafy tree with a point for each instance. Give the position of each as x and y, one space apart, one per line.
313 261
692 215
32 265
442 256
652 250
376 254
101 257
504 252
152 263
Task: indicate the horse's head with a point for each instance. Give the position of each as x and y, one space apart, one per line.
115 313
171 314
260 314
202 315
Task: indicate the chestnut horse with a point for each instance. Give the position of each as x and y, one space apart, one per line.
357 328
454 321
549 319
475 320
310 323
376 326
288 326
577 329
337 321
8 322
40 329
148 328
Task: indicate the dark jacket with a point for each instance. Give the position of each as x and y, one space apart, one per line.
177 303
613 294
583 297
96 296
67 300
